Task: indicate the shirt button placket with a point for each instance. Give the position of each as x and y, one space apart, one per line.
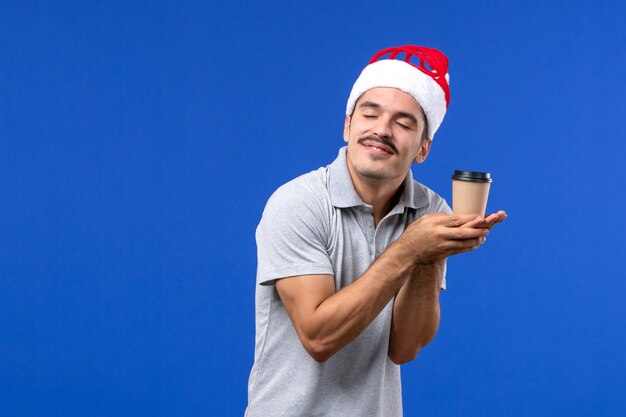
377 234
371 232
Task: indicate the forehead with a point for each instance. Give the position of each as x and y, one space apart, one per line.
391 99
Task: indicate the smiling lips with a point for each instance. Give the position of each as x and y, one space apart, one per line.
377 147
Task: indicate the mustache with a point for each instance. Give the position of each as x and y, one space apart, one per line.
382 141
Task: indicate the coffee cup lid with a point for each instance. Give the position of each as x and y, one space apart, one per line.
472 176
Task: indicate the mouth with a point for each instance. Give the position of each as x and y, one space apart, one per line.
377 147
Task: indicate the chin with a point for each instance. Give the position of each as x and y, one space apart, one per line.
374 174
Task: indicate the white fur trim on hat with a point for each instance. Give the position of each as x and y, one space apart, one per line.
405 77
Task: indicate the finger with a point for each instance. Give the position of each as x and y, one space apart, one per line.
492 217
496 218
465 233
500 215
456 220
473 244
462 246
477 222
492 220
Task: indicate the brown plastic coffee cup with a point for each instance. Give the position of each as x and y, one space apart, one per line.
470 191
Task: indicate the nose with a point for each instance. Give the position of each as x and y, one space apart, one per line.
382 128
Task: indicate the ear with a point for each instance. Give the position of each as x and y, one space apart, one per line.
346 128
423 151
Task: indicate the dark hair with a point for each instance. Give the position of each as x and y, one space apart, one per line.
425 131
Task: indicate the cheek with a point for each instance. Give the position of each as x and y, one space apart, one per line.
352 134
360 126
412 151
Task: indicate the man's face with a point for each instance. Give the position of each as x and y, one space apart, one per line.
384 134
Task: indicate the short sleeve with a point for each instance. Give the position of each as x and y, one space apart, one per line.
292 235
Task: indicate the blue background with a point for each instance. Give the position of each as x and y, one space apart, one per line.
140 140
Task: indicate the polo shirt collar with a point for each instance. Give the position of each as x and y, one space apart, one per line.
344 195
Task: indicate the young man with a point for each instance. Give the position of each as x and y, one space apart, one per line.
351 257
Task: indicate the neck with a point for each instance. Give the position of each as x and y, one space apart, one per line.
381 194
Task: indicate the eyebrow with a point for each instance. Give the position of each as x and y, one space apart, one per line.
374 105
370 104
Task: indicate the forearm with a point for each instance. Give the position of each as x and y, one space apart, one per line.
340 318
416 313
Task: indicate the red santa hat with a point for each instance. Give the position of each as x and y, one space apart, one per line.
417 70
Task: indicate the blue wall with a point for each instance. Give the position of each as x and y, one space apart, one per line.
139 143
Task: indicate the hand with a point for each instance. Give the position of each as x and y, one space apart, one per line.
436 236
489 221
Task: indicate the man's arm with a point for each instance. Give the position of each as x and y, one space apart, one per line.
326 320
415 318
416 311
